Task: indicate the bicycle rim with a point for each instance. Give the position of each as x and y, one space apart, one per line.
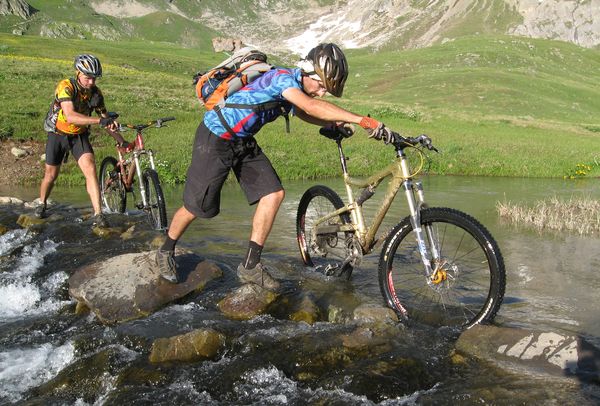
469 286
328 251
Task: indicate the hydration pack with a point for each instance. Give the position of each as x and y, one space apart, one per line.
52 115
214 86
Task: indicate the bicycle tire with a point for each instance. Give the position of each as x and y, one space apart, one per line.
476 279
316 202
112 190
156 209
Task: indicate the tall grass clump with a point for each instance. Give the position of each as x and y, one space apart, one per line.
578 214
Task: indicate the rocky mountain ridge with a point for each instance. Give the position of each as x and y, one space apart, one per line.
295 25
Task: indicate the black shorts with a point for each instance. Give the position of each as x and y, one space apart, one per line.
212 159
58 145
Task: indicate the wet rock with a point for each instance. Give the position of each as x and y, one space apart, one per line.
370 313
84 379
27 221
306 311
544 353
107 232
336 314
246 302
196 345
128 286
4 200
364 339
128 234
4 229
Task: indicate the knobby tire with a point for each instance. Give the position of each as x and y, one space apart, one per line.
156 209
112 190
474 288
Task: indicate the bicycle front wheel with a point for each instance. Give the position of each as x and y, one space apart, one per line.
112 190
469 279
155 208
325 251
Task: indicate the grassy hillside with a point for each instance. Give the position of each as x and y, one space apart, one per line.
499 106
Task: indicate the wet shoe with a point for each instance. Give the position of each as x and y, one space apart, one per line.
257 275
165 261
40 211
99 220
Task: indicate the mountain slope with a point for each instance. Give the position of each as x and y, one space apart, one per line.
296 25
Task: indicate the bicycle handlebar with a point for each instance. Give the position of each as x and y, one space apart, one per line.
423 140
158 123
337 134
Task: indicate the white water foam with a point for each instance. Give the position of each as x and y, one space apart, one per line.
13 239
22 369
19 294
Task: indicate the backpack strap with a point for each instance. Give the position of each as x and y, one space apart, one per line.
257 108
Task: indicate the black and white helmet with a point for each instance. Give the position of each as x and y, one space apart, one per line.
89 65
327 62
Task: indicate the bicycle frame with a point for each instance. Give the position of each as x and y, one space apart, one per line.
134 160
401 176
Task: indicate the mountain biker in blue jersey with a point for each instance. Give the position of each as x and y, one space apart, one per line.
225 141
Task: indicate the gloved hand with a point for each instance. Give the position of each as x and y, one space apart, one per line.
106 121
377 130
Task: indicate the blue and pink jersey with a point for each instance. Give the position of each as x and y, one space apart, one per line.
267 88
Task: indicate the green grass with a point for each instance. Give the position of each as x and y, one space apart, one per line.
494 106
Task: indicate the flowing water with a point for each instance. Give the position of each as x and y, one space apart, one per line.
50 355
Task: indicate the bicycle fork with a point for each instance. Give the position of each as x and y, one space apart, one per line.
424 235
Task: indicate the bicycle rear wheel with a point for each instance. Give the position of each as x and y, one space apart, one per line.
155 209
327 251
470 282
112 190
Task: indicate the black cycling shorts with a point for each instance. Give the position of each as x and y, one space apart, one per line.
58 145
212 159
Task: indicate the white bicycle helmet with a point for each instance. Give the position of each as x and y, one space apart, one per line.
327 62
89 65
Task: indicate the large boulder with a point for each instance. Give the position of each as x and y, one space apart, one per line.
128 286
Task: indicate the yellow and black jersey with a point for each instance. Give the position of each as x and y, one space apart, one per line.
85 101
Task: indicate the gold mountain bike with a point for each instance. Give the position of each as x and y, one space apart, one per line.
437 266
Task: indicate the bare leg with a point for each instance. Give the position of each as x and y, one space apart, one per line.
180 222
264 216
50 174
87 164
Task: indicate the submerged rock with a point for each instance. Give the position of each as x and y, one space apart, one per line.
26 221
196 345
306 311
370 313
128 286
246 302
544 353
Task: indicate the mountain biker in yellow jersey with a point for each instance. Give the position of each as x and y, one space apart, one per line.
225 141
68 130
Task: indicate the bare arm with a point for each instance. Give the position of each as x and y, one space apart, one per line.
77 118
81 119
314 109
